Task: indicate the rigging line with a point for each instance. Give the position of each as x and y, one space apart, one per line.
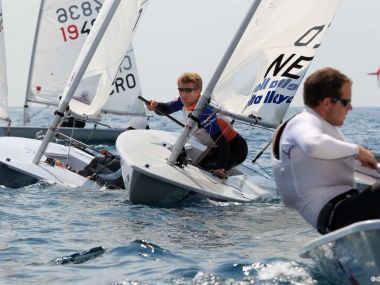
78 144
238 190
91 134
70 138
102 124
263 128
267 175
263 170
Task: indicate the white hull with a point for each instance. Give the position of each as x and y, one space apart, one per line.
17 169
86 135
150 180
350 255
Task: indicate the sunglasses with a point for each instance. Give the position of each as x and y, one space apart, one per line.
344 102
186 90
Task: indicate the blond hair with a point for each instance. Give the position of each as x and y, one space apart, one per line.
190 77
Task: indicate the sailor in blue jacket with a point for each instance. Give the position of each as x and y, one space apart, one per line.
226 147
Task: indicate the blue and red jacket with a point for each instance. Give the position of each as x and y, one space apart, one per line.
215 131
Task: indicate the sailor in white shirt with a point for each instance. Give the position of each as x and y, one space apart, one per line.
313 164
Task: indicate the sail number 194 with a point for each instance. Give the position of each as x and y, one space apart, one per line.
76 14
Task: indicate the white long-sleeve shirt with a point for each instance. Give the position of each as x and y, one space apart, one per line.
315 164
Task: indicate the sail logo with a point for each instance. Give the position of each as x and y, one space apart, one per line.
272 96
291 69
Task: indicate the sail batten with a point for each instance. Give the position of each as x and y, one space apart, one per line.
272 57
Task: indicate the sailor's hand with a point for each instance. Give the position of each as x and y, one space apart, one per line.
221 173
367 158
151 105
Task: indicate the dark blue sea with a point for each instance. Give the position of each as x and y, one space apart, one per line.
52 234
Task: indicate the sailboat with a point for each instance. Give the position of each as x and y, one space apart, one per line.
24 161
255 82
61 31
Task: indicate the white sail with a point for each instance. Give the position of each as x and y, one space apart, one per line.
63 29
126 88
133 9
102 70
3 72
272 57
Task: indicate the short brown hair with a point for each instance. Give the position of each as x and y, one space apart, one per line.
322 84
191 77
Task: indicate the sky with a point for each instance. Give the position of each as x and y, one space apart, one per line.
176 36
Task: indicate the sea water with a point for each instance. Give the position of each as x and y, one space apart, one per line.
52 234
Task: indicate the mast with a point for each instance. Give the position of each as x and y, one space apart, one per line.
80 67
31 64
211 85
4 115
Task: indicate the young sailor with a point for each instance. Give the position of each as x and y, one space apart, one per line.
313 164
106 169
227 147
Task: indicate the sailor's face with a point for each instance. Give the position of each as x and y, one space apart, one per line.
188 94
339 108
